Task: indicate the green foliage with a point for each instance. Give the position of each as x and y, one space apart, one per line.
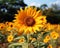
43 6
2 38
8 8
18 45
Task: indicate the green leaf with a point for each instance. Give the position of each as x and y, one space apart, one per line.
23 45
18 37
44 34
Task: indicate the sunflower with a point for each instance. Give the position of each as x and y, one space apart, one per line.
47 38
54 35
9 26
2 26
21 40
10 38
49 46
49 26
29 20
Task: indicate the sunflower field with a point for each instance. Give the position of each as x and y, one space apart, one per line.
29 29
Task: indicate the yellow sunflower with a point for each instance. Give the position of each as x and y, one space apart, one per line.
49 46
10 38
47 38
2 26
49 26
54 35
9 26
29 20
21 40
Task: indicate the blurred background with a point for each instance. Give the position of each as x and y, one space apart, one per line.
50 8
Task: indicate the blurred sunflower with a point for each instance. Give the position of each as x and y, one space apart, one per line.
2 26
29 19
49 46
10 38
9 26
47 38
54 35
49 26
21 40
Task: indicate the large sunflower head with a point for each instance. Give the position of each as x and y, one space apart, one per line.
29 19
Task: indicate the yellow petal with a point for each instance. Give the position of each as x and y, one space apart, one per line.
37 14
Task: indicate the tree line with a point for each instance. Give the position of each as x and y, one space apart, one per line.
8 8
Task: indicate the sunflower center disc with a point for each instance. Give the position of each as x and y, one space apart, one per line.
29 21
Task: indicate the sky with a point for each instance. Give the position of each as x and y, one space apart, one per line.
38 3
